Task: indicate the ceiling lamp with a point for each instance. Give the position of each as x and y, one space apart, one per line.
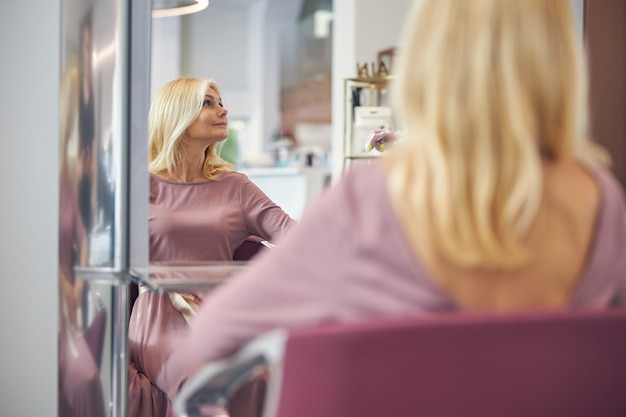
164 8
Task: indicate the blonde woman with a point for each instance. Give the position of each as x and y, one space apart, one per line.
200 210
494 200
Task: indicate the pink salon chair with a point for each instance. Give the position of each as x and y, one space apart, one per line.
549 364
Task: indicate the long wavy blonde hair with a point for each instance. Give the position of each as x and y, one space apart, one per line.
173 110
486 91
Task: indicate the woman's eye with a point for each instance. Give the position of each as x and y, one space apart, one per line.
207 103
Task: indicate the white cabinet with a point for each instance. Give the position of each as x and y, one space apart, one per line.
291 188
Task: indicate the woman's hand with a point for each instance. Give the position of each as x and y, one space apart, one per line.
381 139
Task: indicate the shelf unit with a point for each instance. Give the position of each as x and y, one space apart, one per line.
370 91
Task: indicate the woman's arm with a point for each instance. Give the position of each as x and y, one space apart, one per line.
263 217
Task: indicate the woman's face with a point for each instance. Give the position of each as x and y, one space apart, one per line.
211 125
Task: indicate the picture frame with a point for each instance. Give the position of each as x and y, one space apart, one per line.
385 62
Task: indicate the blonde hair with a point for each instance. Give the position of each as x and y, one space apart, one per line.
486 90
174 109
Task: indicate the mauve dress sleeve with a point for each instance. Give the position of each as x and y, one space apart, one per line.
613 244
603 280
263 217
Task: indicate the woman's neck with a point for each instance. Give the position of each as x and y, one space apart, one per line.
185 172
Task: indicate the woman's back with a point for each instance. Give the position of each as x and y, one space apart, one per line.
559 242
350 258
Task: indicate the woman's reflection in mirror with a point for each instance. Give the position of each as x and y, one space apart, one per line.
200 210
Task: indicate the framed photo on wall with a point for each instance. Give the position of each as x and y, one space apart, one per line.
386 62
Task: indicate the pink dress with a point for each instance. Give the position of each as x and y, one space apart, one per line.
199 221
349 259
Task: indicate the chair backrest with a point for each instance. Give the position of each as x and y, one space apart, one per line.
447 365
249 248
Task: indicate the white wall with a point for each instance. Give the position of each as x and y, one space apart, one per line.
379 26
165 52
29 73
219 35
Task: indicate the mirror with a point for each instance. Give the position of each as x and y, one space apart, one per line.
272 62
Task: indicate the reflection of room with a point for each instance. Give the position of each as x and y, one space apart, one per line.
277 65
252 48
280 65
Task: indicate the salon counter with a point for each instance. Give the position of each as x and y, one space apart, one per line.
189 276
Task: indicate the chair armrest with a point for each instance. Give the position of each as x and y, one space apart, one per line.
209 397
206 393
267 244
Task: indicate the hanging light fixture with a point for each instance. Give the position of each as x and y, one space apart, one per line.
164 8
